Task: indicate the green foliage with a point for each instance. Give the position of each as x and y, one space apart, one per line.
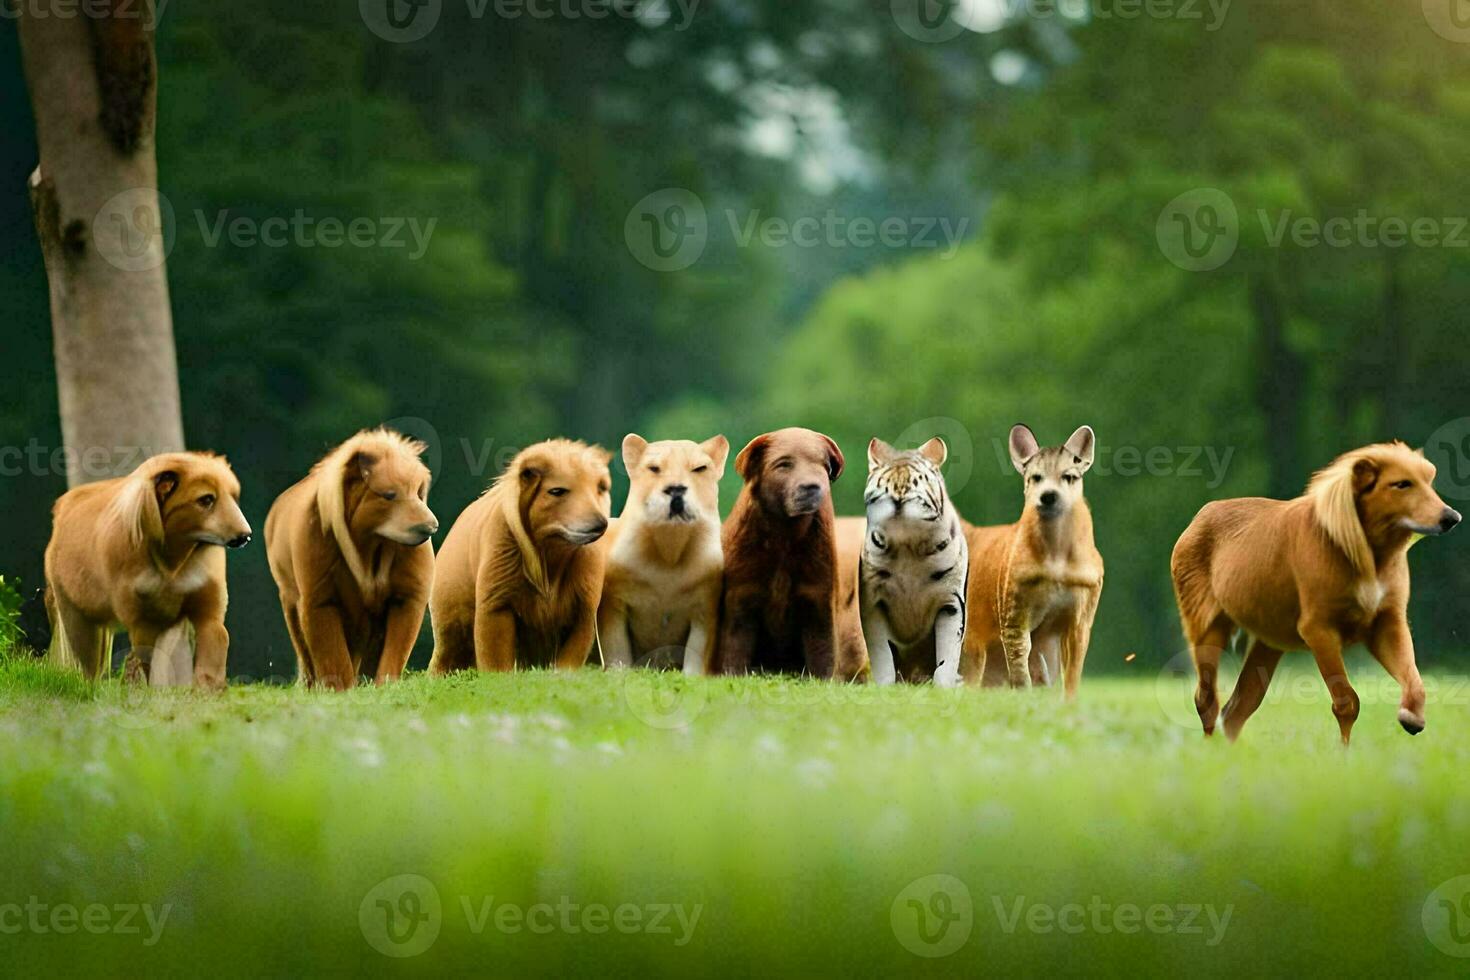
11 634
794 813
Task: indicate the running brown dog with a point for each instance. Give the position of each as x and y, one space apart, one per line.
1321 572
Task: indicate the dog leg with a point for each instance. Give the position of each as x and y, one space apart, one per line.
1393 647
495 639
77 643
612 633
701 633
949 638
1074 646
1206 651
327 645
737 643
1250 689
819 641
880 653
578 645
405 620
139 662
1016 639
211 652
1326 646
1044 653
290 605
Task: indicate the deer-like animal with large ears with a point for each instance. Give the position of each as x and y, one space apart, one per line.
1035 584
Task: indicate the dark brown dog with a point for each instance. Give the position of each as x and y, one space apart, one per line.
780 596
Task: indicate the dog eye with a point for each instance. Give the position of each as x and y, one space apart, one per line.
558 491
1403 484
604 487
784 464
389 495
206 501
655 470
700 469
1035 477
1070 477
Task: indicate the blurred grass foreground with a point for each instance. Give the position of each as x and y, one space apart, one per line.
643 824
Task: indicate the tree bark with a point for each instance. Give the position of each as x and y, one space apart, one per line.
93 83
93 89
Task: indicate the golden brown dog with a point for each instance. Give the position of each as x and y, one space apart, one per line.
781 593
661 596
349 550
1034 585
520 574
146 552
1321 572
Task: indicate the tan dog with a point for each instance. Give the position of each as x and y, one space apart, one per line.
520 574
1034 585
349 550
146 552
782 596
1321 572
661 595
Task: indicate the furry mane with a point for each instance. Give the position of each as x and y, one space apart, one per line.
1335 501
332 473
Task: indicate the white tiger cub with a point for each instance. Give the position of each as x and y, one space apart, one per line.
913 569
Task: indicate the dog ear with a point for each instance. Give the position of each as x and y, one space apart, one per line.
879 452
835 462
1365 475
717 448
360 467
1023 447
634 446
749 458
1080 445
164 484
935 451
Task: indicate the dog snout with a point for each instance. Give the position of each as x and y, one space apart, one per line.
596 529
676 490
1448 520
427 529
809 490
1048 498
240 541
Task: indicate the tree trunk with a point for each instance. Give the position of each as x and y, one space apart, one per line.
104 238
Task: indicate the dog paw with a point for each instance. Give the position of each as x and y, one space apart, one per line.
1410 722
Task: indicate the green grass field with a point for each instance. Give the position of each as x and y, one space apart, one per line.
644 824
